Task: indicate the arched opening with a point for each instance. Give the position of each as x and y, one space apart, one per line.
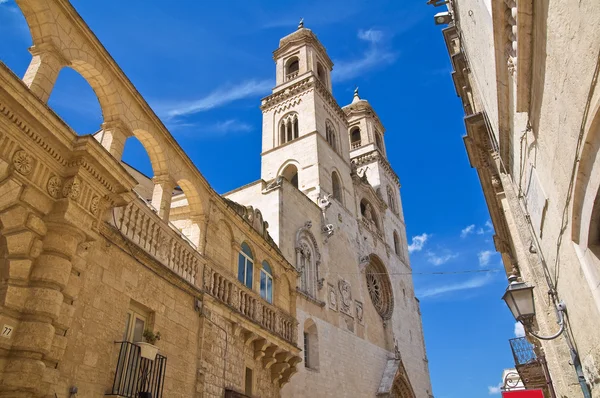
288 128
355 138
397 248
379 141
245 265
292 68
379 287
330 135
16 39
74 100
368 213
137 162
266 282
321 74
594 228
181 215
336 186
391 200
290 173
311 345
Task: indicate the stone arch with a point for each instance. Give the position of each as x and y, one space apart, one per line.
337 187
289 171
288 127
401 388
379 287
292 66
311 344
308 260
355 137
331 135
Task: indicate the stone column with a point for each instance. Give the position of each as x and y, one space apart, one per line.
161 196
113 136
43 70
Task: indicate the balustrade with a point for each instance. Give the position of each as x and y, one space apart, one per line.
291 76
249 303
140 224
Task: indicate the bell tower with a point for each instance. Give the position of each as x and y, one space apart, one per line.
305 138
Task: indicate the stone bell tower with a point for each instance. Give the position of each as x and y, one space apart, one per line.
304 130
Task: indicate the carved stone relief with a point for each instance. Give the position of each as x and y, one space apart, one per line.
359 311
345 296
23 162
332 294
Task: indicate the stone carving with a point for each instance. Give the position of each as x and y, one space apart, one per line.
54 186
363 261
94 205
23 162
327 228
380 289
72 189
345 296
368 212
359 311
332 298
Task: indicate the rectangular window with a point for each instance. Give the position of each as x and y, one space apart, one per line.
248 383
245 270
306 350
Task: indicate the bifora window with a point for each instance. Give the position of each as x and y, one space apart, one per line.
266 282
245 265
380 288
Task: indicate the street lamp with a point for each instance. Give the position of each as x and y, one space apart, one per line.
519 298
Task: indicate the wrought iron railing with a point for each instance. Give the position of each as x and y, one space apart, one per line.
522 351
138 377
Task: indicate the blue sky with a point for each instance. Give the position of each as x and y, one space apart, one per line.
203 67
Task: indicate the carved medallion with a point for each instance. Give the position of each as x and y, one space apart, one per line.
23 162
345 296
332 298
94 205
359 311
54 186
72 189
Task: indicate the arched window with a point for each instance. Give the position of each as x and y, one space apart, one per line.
321 73
288 128
397 244
355 138
379 287
336 187
245 265
330 135
308 259
290 173
368 213
266 282
378 141
311 345
392 200
291 71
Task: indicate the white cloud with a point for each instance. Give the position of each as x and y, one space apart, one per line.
493 390
439 260
489 226
370 35
217 98
480 231
3 1
467 231
376 55
417 243
484 257
197 130
519 330
469 284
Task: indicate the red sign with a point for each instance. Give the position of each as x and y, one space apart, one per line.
523 394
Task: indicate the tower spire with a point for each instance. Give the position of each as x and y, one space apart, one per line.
301 23
356 97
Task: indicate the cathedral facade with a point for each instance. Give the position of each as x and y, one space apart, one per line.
332 203
113 283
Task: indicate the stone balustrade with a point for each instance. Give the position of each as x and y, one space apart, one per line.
291 76
249 303
356 144
140 224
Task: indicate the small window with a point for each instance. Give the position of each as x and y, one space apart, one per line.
355 138
290 173
330 135
248 382
378 141
311 345
245 265
392 200
266 282
306 349
135 323
337 187
321 73
293 66
396 243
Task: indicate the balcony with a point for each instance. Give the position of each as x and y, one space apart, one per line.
291 76
136 376
140 224
355 144
529 366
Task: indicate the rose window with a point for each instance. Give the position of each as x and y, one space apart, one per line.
380 289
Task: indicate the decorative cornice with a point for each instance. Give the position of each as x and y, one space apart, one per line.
376 156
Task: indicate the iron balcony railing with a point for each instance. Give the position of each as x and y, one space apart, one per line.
522 351
138 377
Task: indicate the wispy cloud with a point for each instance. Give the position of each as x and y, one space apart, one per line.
484 257
417 243
519 330
219 97
493 390
467 231
377 54
3 2
203 130
439 260
489 226
469 284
